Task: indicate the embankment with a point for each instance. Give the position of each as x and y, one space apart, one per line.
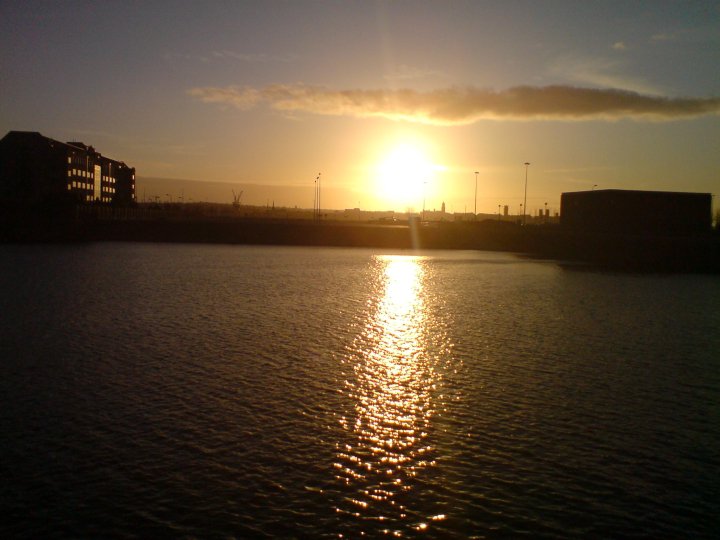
610 251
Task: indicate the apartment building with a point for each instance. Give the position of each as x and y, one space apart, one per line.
35 169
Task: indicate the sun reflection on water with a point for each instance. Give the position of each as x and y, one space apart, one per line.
392 383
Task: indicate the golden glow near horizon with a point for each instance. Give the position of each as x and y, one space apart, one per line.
237 95
405 176
392 384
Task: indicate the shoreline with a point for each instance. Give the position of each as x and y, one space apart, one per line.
654 253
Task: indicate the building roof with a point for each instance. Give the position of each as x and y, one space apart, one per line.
74 145
633 192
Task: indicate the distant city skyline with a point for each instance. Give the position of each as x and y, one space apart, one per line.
395 103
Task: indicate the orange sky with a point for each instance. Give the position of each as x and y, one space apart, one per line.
613 94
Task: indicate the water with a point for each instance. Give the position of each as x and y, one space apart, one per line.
228 391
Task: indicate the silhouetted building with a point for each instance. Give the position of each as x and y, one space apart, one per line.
636 212
36 170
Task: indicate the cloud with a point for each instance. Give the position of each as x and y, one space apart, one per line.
249 57
226 55
186 57
463 105
242 98
610 73
663 37
619 46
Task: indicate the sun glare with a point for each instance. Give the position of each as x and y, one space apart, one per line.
402 177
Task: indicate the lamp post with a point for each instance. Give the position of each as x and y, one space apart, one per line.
424 195
315 200
527 164
475 212
319 207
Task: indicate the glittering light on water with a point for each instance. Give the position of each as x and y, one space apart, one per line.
392 387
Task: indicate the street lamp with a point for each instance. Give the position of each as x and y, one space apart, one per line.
424 195
527 164
318 197
475 212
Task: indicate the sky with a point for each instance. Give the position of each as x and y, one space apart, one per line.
395 105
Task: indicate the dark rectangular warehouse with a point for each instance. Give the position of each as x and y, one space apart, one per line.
620 211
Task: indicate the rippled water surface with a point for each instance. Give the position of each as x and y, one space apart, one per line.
229 391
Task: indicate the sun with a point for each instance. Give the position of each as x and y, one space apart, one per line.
402 176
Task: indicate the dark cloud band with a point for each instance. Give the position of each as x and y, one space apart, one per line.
463 105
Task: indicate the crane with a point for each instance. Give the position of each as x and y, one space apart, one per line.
236 199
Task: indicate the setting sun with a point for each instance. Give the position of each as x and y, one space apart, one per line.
402 176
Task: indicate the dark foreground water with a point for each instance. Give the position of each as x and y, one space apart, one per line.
227 391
